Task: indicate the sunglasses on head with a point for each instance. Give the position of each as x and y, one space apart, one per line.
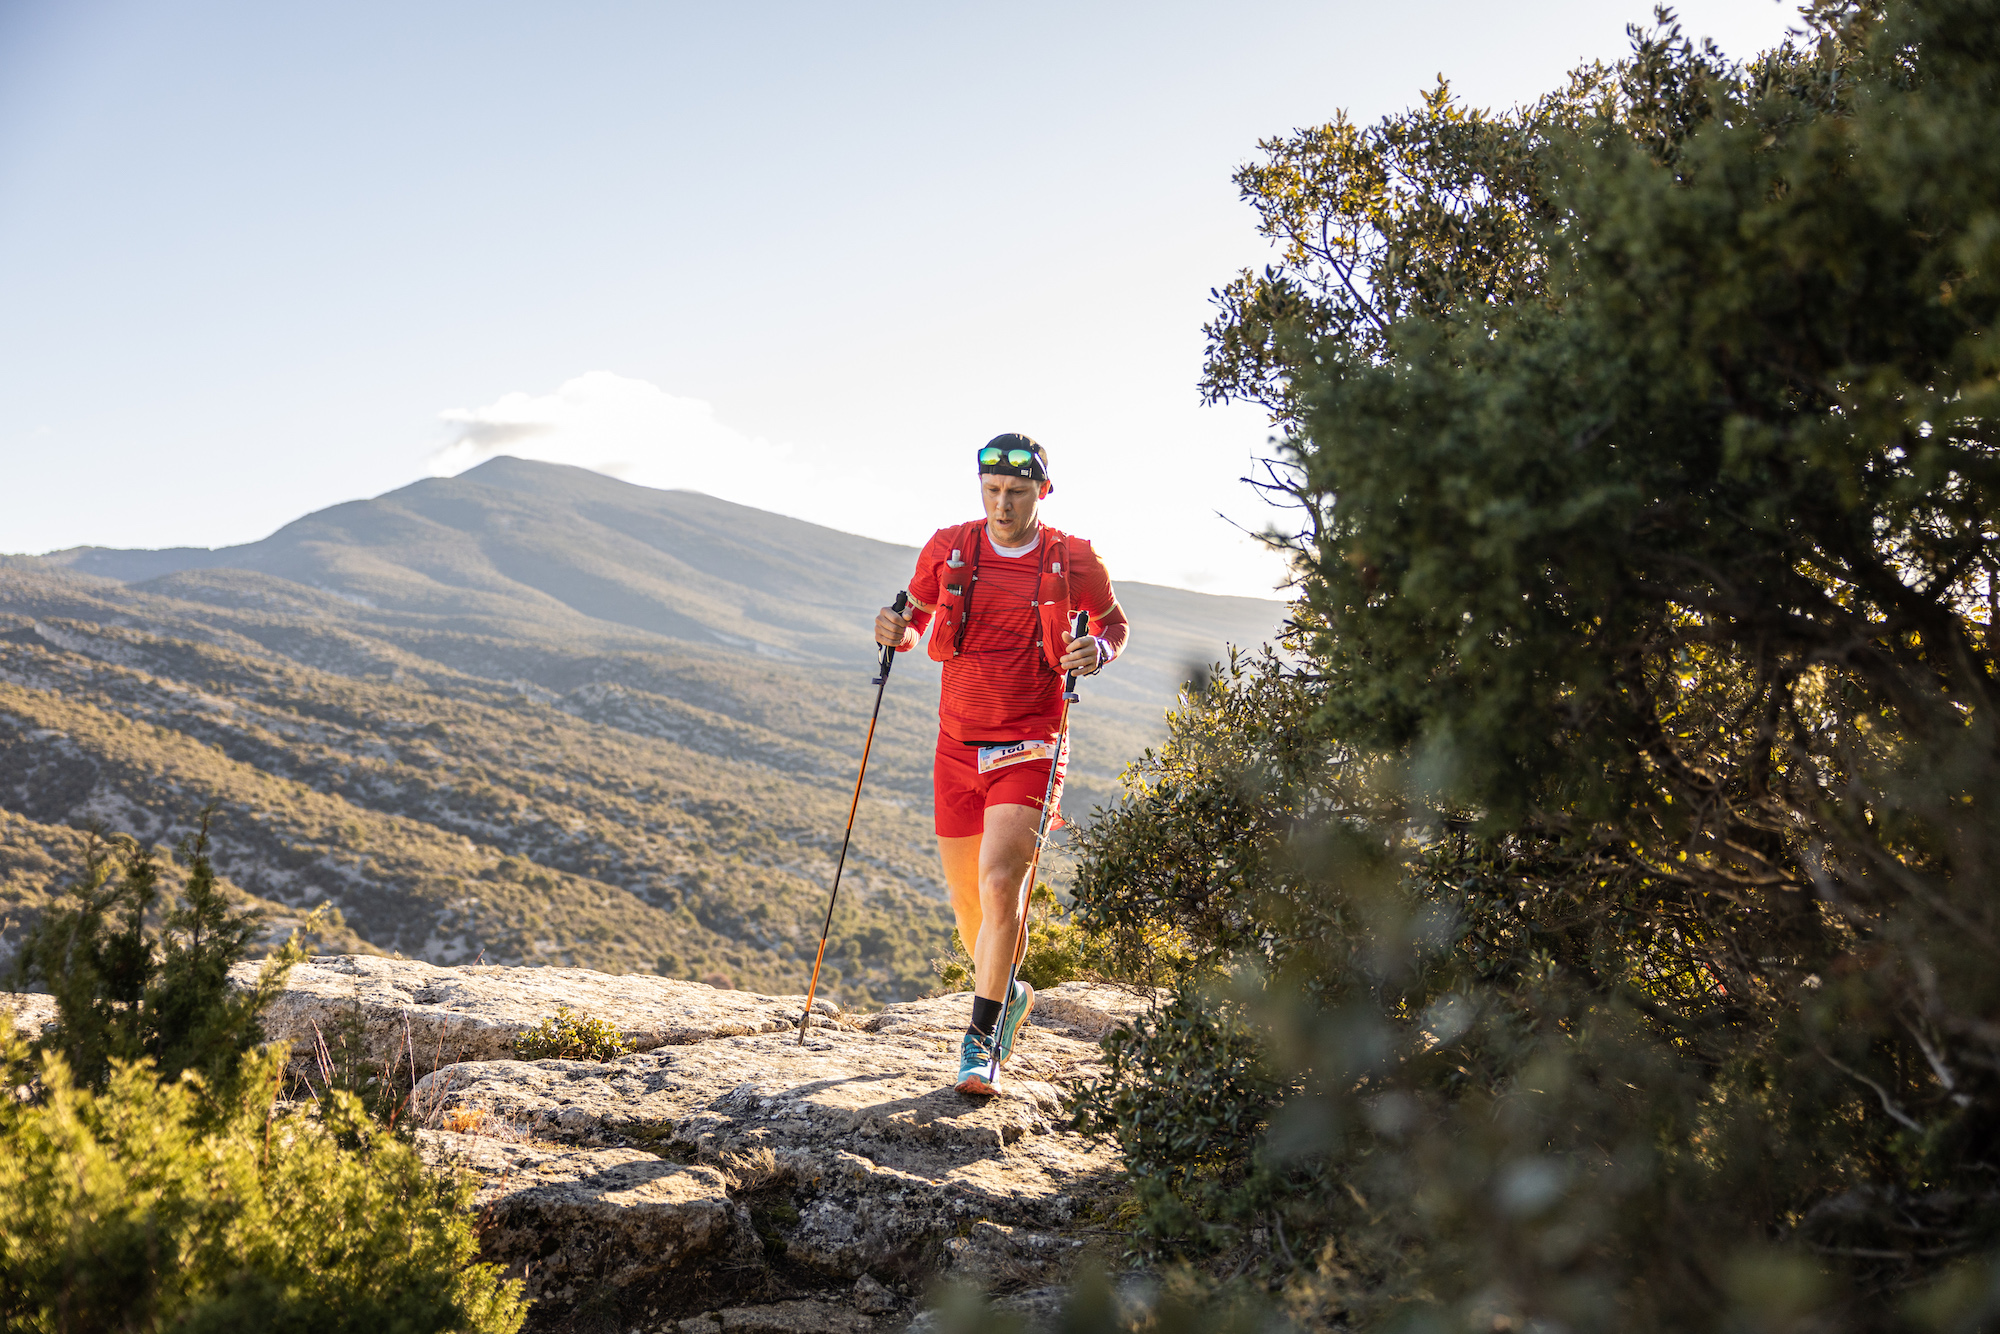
1013 458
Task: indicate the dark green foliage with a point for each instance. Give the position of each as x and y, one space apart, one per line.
1244 787
200 1023
1427 210
1605 885
1191 1132
93 953
127 991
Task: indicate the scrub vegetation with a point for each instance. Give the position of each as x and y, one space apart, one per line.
452 818
150 1177
1590 924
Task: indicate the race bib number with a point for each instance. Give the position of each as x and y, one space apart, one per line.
1018 752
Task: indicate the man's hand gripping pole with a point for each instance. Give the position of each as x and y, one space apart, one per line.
881 683
1027 891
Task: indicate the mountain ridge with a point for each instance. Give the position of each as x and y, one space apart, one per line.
712 549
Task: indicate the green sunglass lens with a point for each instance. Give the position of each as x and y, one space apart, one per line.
1014 458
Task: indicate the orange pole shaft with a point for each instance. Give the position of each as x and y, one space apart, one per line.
1027 892
852 806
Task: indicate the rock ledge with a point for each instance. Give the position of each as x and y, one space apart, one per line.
723 1176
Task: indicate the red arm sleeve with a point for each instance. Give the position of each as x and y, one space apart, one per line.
923 581
1094 594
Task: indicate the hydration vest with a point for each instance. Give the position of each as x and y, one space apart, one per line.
958 577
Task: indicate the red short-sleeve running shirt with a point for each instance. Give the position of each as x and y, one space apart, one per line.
999 687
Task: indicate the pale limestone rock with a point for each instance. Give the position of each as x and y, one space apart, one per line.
422 1016
564 1219
723 1161
884 1160
994 1256
33 1012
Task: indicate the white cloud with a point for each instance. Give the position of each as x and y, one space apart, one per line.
1153 523
628 429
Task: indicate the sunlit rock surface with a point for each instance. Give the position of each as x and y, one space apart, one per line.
724 1175
414 1015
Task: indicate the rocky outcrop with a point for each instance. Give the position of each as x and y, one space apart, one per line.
420 1017
724 1175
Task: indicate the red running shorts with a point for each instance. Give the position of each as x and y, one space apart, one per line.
962 793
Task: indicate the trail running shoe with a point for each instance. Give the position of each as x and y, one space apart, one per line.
1016 1014
973 1059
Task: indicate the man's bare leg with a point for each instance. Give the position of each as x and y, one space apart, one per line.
969 880
1004 852
961 878
984 875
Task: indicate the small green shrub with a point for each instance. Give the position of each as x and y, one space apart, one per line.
1059 949
1187 1093
569 1036
954 970
158 1204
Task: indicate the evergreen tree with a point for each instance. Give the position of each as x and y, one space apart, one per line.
1591 924
126 990
194 1018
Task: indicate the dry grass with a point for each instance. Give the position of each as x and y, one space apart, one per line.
464 1120
748 1173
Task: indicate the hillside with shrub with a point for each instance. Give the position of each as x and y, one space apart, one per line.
523 767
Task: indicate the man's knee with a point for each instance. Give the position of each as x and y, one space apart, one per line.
999 887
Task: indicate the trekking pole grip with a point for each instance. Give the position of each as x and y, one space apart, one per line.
888 650
1082 628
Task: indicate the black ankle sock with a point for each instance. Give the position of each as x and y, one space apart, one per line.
985 1016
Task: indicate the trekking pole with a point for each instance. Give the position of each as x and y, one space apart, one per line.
881 683
1027 892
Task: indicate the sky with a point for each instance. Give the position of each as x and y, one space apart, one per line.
259 259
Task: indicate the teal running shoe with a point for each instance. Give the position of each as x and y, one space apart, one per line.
974 1059
1016 1014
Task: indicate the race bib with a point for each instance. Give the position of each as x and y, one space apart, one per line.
1017 752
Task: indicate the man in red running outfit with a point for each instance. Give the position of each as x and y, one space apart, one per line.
1000 598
